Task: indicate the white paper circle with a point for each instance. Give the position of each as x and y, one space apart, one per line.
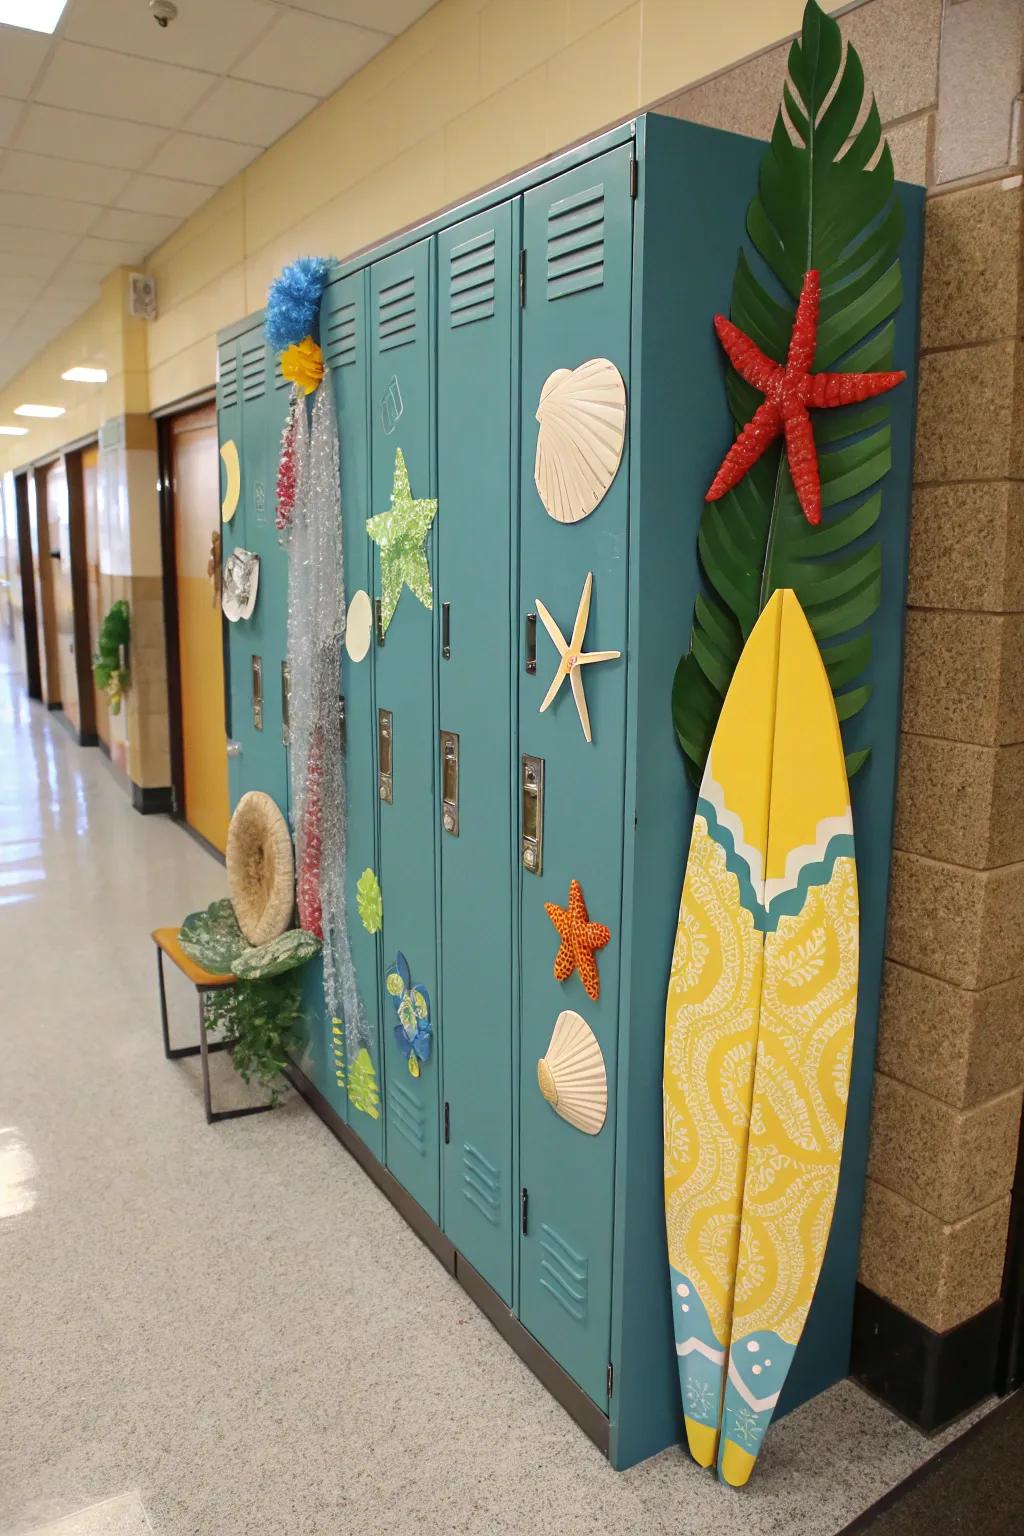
359 625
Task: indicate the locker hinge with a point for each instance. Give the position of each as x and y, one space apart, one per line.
611 1378
447 1125
524 1208
522 278
633 176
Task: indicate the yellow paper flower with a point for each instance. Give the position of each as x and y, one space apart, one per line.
303 364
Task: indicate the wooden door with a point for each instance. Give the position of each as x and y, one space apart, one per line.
59 523
96 608
195 475
42 551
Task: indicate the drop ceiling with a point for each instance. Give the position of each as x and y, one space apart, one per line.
114 130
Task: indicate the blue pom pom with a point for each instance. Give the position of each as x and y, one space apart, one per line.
293 301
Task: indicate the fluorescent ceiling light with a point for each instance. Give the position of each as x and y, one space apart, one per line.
34 15
13 431
86 375
44 411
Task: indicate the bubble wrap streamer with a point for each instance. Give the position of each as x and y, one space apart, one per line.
316 629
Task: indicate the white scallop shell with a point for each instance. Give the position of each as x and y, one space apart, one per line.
571 1076
582 415
358 625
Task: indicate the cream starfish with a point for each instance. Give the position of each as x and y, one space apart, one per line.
571 656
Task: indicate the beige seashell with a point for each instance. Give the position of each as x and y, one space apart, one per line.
571 1075
260 868
582 415
358 625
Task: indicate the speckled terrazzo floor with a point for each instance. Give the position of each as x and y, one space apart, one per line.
229 1330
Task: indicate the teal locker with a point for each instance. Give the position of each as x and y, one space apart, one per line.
577 232
238 712
401 390
477 266
346 355
440 343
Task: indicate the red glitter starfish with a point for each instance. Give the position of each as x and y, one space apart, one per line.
789 390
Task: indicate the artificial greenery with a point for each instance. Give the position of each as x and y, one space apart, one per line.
263 1018
110 676
825 201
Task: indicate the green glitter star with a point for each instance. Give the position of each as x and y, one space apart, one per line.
401 536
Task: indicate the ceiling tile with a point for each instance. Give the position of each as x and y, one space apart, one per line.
116 253
385 15
249 114
146 92
160 194
190 157
10 111
100 140
40 242
20 57
21 264
206 35
309 53
45 176
148 228
46 212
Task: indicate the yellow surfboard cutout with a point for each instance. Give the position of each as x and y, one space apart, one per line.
232 479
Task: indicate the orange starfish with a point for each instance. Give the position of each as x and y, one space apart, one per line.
580 938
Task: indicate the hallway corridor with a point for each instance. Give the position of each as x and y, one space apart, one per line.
229 1330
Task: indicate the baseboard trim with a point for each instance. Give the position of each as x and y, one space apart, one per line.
197 837
928 1378
545 1367
152 802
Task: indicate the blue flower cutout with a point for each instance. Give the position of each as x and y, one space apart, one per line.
412 1004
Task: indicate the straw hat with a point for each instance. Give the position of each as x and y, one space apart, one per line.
261 868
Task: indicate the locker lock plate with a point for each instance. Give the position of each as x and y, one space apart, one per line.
450 782
532 789
257 693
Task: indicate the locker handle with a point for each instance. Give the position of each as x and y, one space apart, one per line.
450 782
531 643
256 663
524 1210
385 772
378 621
446 631
532 787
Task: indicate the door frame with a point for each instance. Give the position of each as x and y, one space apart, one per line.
27 576
169 566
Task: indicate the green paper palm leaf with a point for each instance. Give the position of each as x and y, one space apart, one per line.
825 200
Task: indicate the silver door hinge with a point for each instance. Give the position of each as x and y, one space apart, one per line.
633 176
522 278
611 1378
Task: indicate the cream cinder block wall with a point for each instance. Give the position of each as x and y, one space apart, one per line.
473 91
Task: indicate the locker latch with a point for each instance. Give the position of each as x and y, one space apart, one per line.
531 643
257 693
385 778
524 1209
446 631
533 814
450 782
286 699
447 1125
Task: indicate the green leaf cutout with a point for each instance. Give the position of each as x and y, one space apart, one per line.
213 938
825 200
285 953
369 901
362 1085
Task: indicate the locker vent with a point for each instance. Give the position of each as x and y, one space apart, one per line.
280 382
396 314
481 1183
227 382
471 280
406 1116
254 363
340 337
575 255
563 1272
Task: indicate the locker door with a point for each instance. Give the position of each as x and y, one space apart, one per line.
275 566
577 235
238 713
405 678
265 630
345 343
478 862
